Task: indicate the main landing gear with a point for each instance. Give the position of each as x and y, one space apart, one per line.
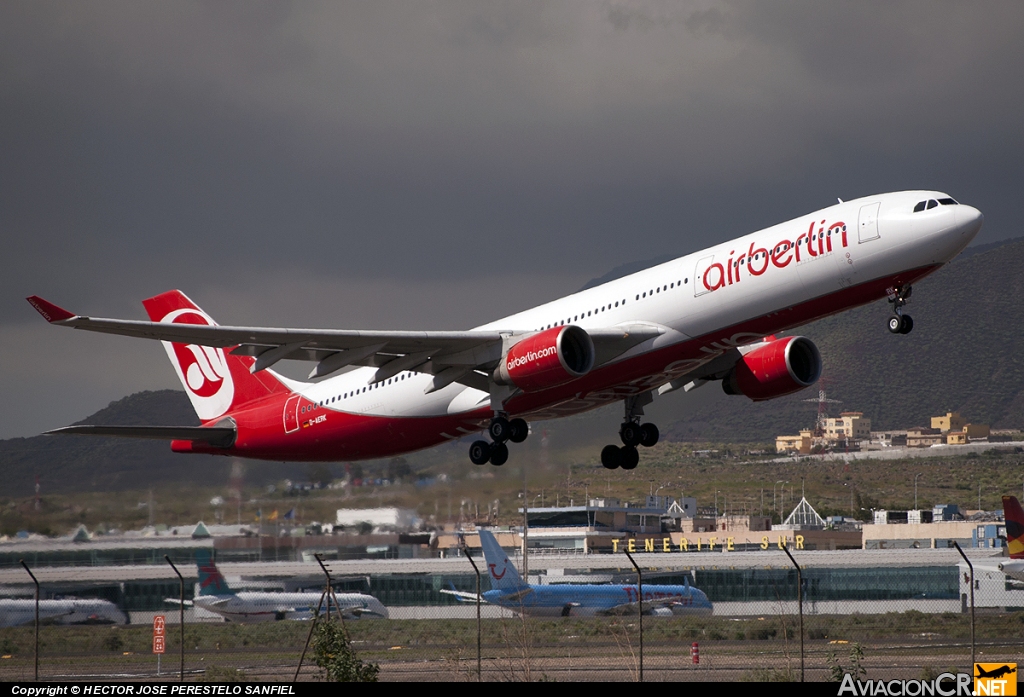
632 433
501 430
900 323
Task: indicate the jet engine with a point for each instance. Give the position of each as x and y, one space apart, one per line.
547 359
776 368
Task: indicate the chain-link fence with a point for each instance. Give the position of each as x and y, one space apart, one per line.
882 614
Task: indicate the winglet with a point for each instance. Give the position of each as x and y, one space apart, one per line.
49 311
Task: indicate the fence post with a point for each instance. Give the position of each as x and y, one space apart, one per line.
312 626
640 610
971 567
35 581
181 616
800 604
479 674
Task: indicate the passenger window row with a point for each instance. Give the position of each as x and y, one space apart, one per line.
353 393
605 308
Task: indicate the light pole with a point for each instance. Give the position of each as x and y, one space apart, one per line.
915 488
783 483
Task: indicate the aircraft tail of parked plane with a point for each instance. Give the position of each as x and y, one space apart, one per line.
211 580
1013 567
1014 527
502 572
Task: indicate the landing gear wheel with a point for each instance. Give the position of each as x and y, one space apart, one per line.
630 457
499 454
480 452
518 430
896 324
649 435
630 434
610 457
499 429
908 324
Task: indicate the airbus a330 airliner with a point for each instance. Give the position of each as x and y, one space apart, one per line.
707 316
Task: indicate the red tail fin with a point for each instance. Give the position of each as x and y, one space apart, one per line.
214 380
1014 527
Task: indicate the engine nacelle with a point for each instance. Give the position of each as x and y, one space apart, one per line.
547 359
779 367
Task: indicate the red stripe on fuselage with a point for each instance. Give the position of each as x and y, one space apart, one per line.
348 436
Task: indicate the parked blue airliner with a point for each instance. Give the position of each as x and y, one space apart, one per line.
508 590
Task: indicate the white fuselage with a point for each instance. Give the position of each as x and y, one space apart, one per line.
253 606
728 295
16 612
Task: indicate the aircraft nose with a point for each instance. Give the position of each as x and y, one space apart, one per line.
968 220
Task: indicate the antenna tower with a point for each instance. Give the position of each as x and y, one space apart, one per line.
823 401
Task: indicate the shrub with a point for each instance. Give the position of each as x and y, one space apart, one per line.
335 658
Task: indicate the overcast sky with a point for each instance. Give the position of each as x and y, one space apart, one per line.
437 165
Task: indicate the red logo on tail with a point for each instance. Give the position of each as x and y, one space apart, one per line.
498 577
203 369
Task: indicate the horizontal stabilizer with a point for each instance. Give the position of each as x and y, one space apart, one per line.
217 436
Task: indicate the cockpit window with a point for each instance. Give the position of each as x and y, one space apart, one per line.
932 203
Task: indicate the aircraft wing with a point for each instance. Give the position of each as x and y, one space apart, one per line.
450 356
632 608
462 596
358 611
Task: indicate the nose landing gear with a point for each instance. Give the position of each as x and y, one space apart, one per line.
500 430
900 323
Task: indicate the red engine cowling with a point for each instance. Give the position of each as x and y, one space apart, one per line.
547 359
779 367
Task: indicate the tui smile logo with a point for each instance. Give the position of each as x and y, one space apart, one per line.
498 577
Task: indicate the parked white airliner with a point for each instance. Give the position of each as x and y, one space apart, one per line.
258 606
712 315
15 612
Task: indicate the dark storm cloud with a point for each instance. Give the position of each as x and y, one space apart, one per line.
340 164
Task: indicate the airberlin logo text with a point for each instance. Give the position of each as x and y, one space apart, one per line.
531 356
756 260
